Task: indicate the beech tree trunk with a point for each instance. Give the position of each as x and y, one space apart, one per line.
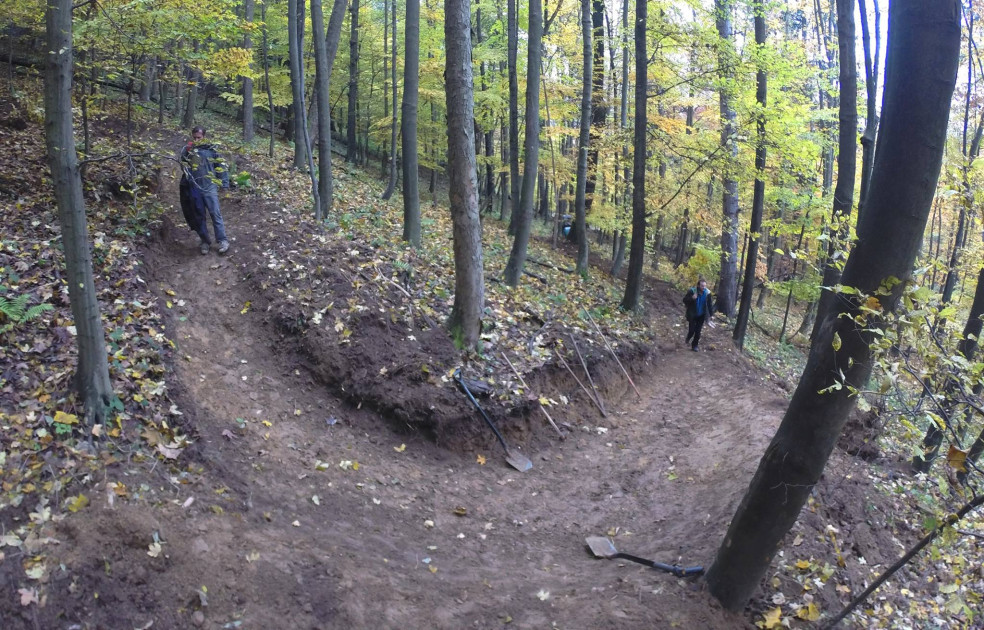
584 138
92 382
266 76
637 248
248 131
465 322
391 186
758 198
411 175
847 147
351 131
523 216
728 281
923 53
295 41
512 47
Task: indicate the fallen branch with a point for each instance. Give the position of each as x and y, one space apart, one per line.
526 387
549 265
969 507
588 374
614 356
564 363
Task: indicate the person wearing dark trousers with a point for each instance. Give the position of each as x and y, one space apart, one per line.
204 171
700 308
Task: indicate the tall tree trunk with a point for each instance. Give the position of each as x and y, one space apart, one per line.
599 111
871 92
266 76
248 130
92 382
295 40
325 49
391 186
411 173
512 48
728 282
923 54
637 249
351 133
758 199
584 138
523 217
465 322
847 145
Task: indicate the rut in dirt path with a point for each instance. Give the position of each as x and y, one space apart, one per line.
309 513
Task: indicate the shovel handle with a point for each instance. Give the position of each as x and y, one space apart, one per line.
502 441
674 569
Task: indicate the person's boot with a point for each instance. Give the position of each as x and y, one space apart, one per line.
223 247
203 248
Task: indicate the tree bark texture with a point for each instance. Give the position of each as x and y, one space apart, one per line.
758 196
512 48
923 53
523 216
391 186
351 132
584 139
728 281
295 42
411 174
249 8
92 380
465 322
637 247
847 148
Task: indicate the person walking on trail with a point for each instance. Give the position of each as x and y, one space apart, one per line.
203 171
700 308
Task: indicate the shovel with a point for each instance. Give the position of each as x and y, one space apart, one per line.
602 547
514 459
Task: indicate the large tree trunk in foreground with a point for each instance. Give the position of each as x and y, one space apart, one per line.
523 215
637 248
728 281
92 374
465 322
411 174
920 76
847 149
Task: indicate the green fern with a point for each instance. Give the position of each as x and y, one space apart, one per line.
15 311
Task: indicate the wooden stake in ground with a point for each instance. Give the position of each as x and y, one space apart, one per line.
588 374
614 356
564 363
542 408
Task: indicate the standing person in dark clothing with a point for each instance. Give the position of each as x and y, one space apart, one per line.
700 307
204 170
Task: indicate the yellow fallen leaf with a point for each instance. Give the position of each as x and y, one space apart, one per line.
266 423
432 569
803 564
836 342
400 448
481 460
77 502
169 292
810 612
66 418
772 619
245 308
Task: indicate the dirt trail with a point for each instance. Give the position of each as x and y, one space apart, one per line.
418 537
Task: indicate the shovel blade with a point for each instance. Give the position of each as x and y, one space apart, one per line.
601 547
518 461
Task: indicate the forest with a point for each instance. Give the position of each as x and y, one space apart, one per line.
389 314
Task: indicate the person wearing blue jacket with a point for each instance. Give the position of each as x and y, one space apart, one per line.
700 308
204 170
